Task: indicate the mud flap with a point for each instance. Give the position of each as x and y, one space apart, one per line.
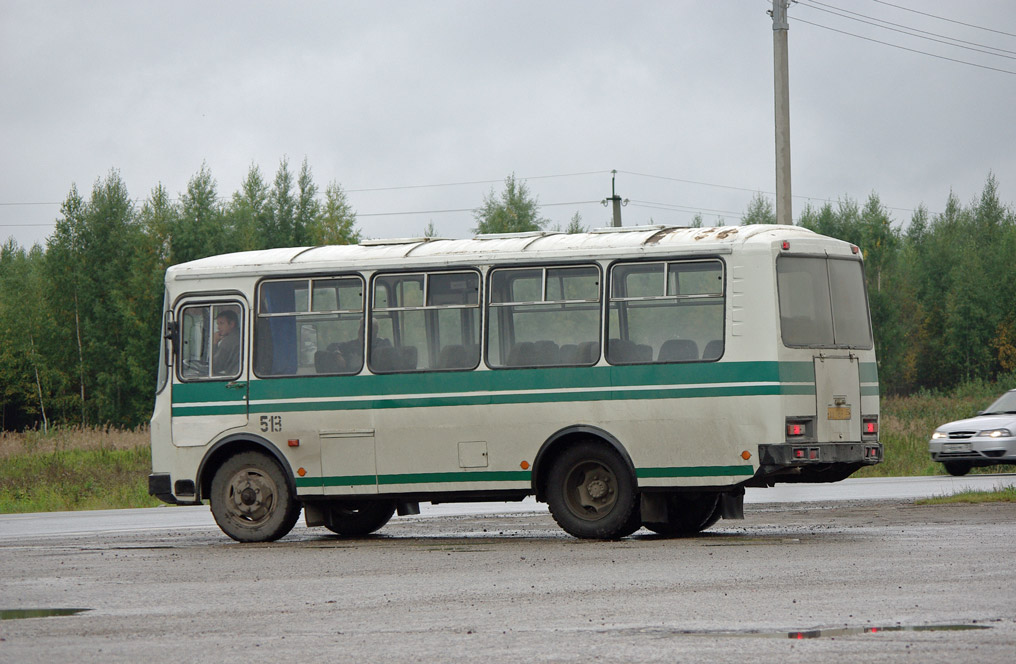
732 504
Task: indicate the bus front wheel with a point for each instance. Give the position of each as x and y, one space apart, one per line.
687 514
356 518
251 500
591 493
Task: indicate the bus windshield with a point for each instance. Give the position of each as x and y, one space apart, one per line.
822 302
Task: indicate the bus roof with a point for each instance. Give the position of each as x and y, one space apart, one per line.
506 247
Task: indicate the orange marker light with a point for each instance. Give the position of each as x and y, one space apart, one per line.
301 472
294 442
746 455
524 465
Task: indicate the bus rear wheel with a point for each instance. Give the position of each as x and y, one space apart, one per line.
591 493
687 514
251 499
360 517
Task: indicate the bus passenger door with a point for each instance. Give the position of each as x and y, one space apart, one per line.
210 393
838 398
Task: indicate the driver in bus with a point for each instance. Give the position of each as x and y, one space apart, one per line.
226 354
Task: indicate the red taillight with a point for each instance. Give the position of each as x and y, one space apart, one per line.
786 245
795 429
870 426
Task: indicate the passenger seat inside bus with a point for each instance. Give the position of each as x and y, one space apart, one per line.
327 362
390 359
713 350
457 356
678 350
625 351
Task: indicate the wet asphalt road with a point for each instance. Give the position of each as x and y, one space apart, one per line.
514 588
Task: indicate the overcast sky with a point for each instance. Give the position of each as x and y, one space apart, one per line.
677 96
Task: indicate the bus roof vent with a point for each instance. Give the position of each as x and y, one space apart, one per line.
509 236
380 242
631 229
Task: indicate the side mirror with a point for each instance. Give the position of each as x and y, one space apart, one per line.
171 339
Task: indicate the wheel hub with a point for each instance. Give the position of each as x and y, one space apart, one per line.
252 496
597 489
248 496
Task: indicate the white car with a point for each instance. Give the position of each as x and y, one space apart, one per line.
989 439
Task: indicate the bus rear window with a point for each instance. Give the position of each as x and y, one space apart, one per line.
822 302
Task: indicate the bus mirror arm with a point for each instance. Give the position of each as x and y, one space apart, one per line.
171 338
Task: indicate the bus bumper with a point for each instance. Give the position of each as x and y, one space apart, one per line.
813 462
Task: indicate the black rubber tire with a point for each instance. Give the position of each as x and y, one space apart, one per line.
251 498
355 518
592 493
957 468
688 514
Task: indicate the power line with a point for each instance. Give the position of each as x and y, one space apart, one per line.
679 208
906 30
371 189
942 18
474 182
904 48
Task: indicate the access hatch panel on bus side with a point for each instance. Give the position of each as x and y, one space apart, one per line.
838 398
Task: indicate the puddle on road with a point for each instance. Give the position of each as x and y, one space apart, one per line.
19 614
830 632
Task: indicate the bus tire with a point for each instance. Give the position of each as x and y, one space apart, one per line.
957 468
688 514
251 499
591 492
355 518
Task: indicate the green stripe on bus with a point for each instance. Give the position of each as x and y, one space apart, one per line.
508 476
312 386
695 471
381 403
868 372
484 387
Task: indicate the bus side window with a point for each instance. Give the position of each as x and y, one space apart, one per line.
309 326
432 322
543 317
663 312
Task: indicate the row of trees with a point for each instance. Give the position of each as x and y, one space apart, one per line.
79 318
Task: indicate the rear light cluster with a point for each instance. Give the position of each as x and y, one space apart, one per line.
872 452
869 426
805 453
799 428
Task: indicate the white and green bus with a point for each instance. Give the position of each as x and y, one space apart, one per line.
627 377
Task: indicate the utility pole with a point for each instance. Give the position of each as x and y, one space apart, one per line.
781 79
616 201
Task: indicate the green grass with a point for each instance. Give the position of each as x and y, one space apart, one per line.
74 468
1006 495
76 480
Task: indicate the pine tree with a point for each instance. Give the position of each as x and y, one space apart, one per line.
514 211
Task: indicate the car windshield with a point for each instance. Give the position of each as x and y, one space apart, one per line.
1006 404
